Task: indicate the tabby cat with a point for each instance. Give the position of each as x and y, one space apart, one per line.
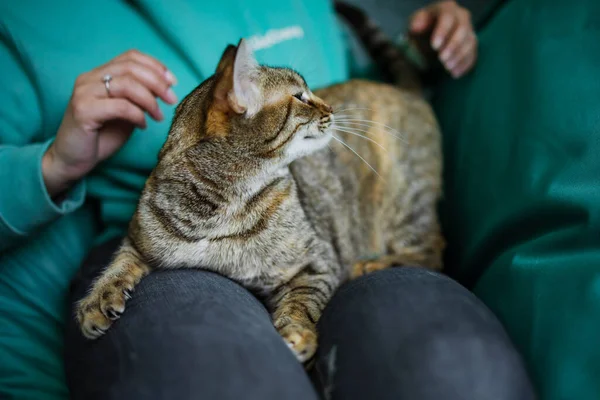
260 180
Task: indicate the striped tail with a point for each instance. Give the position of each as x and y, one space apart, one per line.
393 62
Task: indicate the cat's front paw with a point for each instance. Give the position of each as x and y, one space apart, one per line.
302 340
103 305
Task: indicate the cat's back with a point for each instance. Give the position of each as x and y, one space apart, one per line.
381 130
386 145
358 98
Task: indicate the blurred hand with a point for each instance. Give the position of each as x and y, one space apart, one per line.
453 36
97 123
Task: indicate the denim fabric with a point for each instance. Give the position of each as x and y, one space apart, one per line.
408 333
403 333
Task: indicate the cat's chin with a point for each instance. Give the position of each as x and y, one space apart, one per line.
309 144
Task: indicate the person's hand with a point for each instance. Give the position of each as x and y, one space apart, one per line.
452 34
98 121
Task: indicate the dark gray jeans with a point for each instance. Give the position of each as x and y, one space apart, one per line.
402 333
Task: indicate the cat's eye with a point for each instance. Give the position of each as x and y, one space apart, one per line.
302 97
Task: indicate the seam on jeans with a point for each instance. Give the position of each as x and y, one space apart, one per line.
326 377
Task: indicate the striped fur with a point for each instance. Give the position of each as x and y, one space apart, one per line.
252 184
393 62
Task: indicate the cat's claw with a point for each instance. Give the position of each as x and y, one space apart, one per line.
113 314
101 307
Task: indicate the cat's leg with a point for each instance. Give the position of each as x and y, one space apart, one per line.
106 299
407 256
297 306
415 239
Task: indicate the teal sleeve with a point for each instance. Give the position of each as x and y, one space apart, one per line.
25 204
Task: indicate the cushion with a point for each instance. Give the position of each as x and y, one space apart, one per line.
521 208
34 285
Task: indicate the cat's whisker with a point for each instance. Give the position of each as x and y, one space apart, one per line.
361 127
361 124
355 127
358 155
359 135
343 117
336 112
367 128
366 123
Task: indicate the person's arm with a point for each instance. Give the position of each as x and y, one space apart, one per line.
43 180
25 204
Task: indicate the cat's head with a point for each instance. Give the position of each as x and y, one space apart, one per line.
250 117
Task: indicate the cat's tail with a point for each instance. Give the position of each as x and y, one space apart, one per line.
391 60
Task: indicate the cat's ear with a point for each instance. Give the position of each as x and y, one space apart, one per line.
227 58
245 70
224 82
236 88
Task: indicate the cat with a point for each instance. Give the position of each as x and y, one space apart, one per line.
260 180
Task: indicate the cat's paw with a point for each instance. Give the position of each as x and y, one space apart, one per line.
301 340
103 305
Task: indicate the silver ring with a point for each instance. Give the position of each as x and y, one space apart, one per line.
106 79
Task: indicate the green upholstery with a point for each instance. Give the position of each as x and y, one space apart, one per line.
33 289
522 186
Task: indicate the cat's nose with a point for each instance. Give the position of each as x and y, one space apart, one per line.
321 105
324 107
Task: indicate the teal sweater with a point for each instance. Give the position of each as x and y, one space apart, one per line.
44 46
40 63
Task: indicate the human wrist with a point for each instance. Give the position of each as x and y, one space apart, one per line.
55 173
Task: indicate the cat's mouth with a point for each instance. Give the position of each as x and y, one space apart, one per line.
325 124
310 137
323 131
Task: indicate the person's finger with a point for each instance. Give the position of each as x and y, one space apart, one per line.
422 20
445 24
465 66
127 87
150 62
156 83
465 63
451 48
108 109
467 47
